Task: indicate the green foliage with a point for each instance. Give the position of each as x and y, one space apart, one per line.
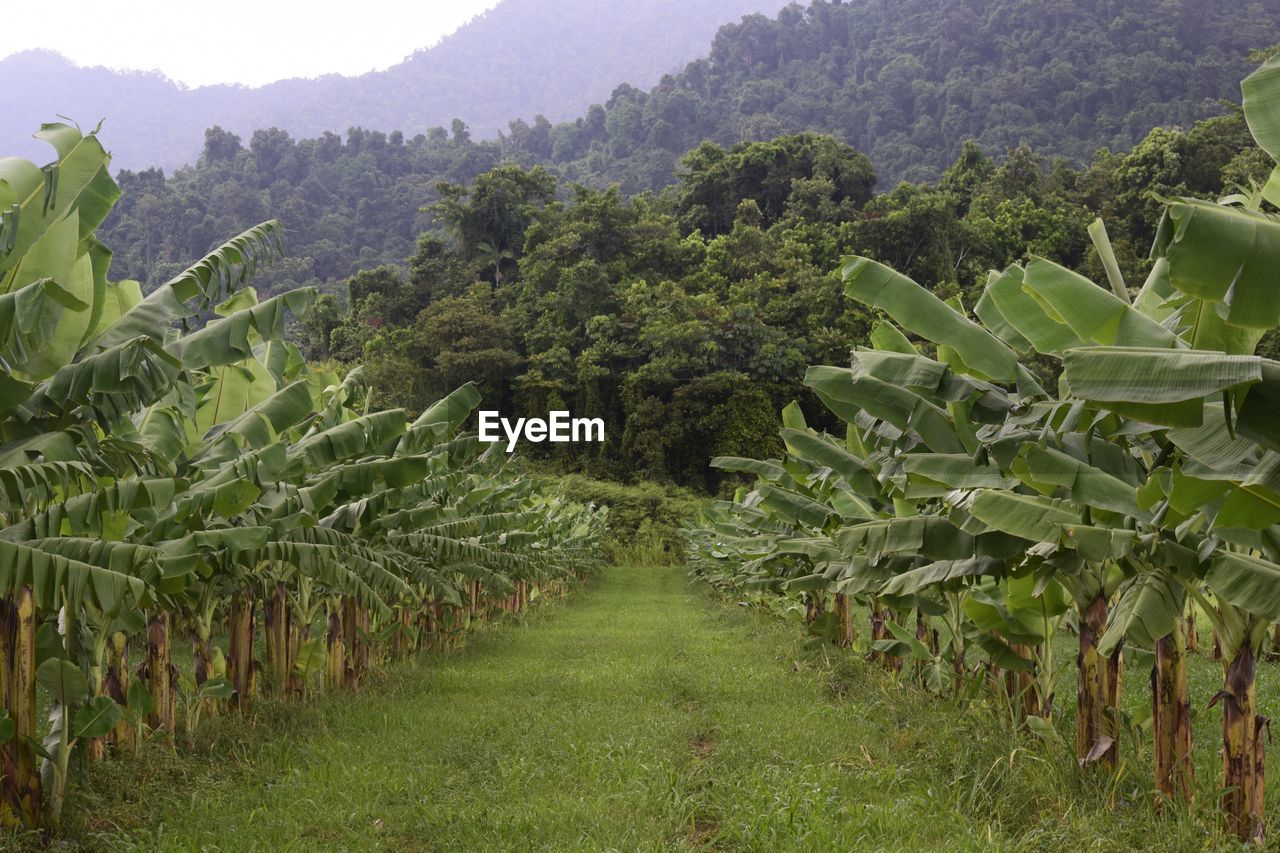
1092 75
686 320
963 491
489 217
171 457
908 84
644 519
664 313
837 181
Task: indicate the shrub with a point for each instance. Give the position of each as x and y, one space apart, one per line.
644 519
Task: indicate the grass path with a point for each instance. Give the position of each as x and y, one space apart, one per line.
641 715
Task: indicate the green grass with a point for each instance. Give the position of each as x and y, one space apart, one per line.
643 714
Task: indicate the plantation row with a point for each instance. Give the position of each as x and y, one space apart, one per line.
171 471
977 511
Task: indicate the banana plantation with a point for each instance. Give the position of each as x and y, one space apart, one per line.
195 521
175 478
1060 458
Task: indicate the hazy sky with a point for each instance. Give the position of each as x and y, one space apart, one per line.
235 41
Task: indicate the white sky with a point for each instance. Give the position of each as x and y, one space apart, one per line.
234 41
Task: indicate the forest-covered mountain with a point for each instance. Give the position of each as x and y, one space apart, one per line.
685 316
909 81
521 58
905 82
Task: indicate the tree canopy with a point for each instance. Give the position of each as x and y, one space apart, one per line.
686 319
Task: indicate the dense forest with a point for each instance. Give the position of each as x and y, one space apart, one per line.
506 62
643 264
1092 74
686 320
908 83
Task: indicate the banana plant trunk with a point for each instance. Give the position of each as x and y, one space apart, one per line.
202 654
355 627
21 797
880 631
95 748
1020 687
161 674
240 630
959 667
116 685
1095 730
299 635
926 634
427 620
281 633
1243 757
1171 719
293 639
335 671
401 646
1115 677
363 622
459 625
435 624
844 621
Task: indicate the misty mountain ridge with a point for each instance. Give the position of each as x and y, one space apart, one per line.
522 58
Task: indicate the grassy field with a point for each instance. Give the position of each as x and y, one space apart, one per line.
641 715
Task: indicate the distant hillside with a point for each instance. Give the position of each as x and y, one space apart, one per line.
522 58
908 81
901 81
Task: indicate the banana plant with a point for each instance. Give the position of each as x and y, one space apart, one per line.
171 458
1149 479
1158 364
